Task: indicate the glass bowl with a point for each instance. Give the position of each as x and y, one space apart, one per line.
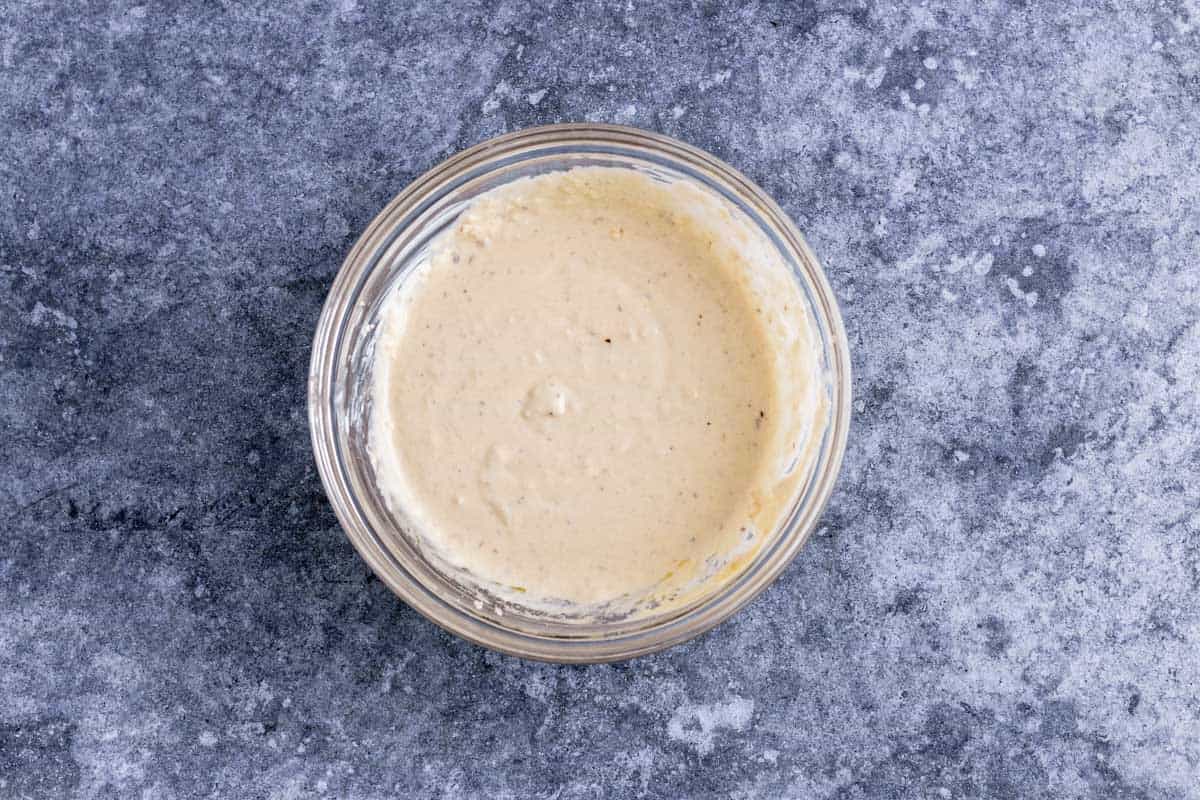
338 399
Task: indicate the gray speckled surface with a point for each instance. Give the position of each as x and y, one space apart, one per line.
1004 597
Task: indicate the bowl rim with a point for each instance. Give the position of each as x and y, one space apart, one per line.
793 532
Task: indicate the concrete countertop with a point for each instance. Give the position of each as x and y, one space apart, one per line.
1003 599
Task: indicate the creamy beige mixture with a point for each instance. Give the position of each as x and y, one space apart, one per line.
598 392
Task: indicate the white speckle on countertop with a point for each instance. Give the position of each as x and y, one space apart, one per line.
699 725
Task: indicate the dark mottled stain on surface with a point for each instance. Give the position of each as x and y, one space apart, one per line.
36 760
997 638
908 601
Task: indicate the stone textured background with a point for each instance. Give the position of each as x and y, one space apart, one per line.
1003 600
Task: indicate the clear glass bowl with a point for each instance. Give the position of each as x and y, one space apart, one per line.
338 399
